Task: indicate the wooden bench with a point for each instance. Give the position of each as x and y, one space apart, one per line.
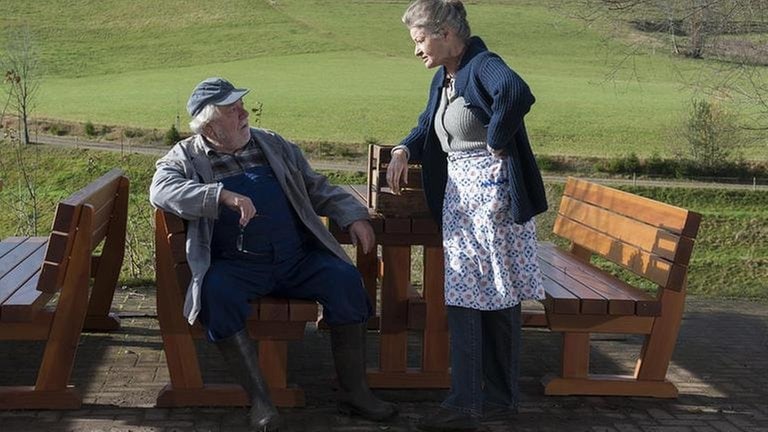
34 269
273 323
652 240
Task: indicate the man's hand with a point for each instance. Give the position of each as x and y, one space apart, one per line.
397 170
239 203
361 233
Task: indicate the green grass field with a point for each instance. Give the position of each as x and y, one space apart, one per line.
339 70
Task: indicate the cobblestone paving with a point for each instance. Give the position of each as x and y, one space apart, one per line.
720 366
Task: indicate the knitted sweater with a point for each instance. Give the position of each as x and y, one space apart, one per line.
487 83
460 129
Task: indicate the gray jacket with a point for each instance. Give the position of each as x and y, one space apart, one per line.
183 185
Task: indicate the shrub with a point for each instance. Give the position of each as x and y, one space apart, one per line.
554 163
712 137
133 133
58 129
90 129
256 112
656 165
172 136
620 165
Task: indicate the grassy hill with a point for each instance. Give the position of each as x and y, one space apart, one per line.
338 70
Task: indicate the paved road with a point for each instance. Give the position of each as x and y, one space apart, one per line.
719 366
360 166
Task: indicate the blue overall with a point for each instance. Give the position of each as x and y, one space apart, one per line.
276 257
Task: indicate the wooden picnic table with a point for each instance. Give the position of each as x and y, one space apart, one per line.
403 308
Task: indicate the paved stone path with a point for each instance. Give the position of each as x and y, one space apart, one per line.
720 366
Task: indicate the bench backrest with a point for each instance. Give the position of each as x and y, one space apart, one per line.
98 212
172 230
650 238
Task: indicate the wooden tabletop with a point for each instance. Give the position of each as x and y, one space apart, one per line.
393 230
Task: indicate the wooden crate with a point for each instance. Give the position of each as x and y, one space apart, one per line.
411 203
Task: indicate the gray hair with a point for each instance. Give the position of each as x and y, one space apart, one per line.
207 115
435 16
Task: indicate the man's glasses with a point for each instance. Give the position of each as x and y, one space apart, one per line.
240 244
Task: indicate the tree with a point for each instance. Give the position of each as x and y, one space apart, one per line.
22 73
711 135
732 33
23 202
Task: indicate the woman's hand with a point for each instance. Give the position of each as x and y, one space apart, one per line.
239 203
397 170
497 153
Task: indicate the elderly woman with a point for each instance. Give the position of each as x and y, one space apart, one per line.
483 185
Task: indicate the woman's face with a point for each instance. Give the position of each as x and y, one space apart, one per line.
432 49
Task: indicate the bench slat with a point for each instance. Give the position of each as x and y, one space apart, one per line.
652 212
98 191
414 179
178 245
24 246
627 230
56 258
302 310
620 295
64 218
25 303
13 280
10 244
590 302
99 232
623 298
273 309
559 300
184 276
655 269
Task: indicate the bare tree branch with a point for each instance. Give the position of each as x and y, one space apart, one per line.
22 74
732 34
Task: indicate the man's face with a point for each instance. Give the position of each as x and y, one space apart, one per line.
230 127
432 49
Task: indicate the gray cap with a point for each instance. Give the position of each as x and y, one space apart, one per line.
217 91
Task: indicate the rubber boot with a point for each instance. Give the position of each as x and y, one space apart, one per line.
348 346
240 355
445 420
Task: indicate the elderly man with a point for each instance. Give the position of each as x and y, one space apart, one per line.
252 204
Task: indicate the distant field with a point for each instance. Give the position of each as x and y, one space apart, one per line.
337 70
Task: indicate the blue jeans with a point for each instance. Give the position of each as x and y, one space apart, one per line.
309 273
485 359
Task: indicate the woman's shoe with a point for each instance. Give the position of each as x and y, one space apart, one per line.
497 413
444 420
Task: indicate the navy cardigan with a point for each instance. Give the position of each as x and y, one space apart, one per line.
485 82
